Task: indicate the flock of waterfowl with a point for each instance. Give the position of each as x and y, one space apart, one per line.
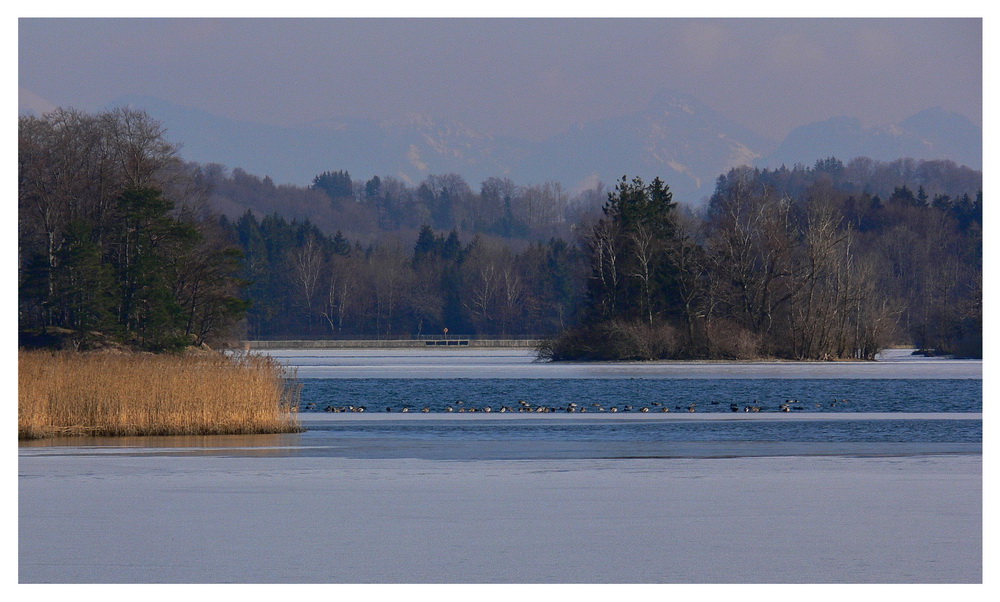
525 407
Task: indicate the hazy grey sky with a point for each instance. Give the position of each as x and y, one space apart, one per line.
522 77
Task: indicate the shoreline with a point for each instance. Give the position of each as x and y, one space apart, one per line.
387 344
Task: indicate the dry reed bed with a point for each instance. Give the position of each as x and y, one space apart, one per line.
102 394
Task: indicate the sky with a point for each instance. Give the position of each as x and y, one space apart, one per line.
528 78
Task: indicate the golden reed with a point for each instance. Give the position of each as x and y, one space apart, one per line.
103 394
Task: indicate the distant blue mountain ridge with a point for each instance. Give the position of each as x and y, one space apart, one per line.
677 138
930 134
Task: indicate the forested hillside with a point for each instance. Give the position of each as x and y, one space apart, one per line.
305 283
831 261
118 235
367 209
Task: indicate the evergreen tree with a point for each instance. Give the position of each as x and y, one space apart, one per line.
628 253
428 246
373 188
146 252
336 184
340 245
83 296
451 247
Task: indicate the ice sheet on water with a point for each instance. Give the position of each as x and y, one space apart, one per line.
522 363
329 520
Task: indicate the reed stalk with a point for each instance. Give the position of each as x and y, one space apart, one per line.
103 394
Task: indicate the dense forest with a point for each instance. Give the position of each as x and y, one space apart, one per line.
800 263
115 242
119 237
304 283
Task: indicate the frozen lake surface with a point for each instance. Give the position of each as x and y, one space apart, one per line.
238 519
885 486
519 363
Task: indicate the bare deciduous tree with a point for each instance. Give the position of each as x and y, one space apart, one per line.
307 270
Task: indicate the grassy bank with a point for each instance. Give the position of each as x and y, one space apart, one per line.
125 394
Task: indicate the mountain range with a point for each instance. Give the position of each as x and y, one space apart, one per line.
677 137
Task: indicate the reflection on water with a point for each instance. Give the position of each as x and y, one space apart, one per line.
793 431
483 439
256 445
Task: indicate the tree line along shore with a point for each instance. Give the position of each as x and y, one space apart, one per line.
122 244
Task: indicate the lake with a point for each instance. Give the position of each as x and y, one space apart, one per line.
878 479
502 404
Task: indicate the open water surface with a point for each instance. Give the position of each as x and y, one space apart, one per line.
389 402
635 394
